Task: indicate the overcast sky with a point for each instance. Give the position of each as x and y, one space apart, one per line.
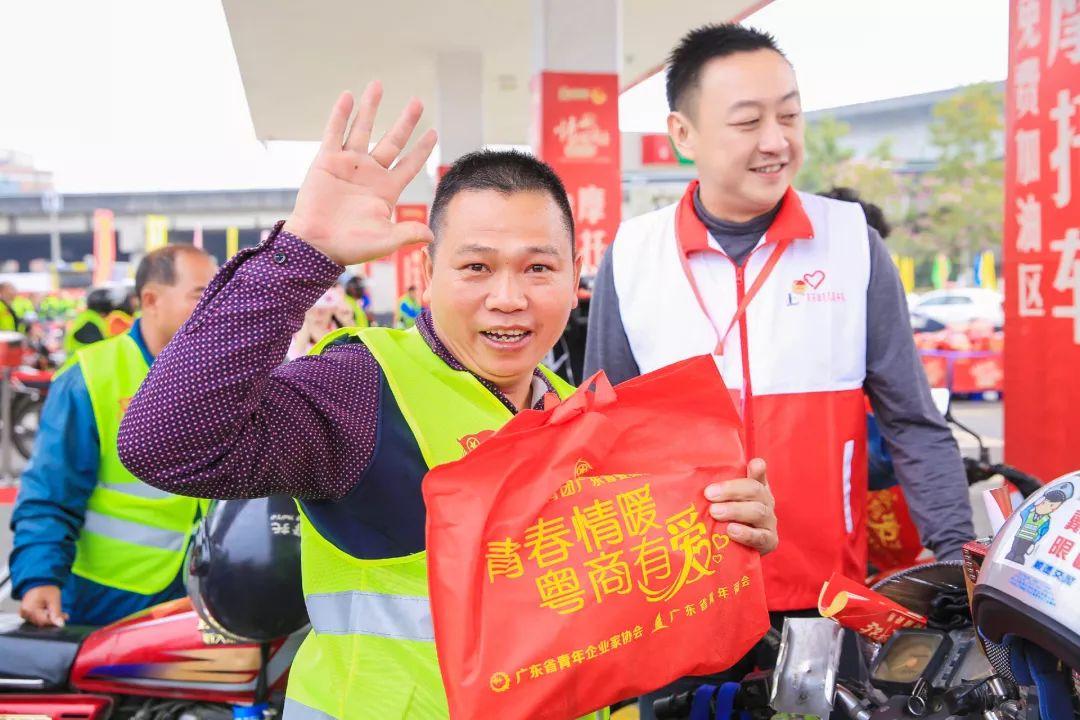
142 95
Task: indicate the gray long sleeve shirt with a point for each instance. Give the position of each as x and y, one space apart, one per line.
925 455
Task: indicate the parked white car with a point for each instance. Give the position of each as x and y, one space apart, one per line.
960 306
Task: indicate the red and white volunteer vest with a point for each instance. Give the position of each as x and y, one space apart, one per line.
795 362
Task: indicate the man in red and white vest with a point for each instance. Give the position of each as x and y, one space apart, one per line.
801 305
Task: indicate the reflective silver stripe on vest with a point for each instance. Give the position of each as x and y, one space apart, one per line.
137 489
401 617
132 532
294 710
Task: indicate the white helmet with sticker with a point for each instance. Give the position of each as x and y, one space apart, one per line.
1028 593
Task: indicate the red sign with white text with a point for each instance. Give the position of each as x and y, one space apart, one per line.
579 137
1042 237
409 261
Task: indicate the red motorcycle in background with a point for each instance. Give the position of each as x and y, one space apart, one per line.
30 387
33 371
224 651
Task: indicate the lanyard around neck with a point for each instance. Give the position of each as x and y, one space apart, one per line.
744 302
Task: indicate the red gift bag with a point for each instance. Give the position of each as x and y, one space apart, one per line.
572 560
892 538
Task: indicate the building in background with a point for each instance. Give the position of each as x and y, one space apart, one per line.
904 121
18 176
208 218
653 176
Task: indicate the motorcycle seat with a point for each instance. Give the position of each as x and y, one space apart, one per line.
33 658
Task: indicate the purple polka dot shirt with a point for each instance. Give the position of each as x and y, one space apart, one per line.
220 416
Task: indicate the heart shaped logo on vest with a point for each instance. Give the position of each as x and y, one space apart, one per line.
814 279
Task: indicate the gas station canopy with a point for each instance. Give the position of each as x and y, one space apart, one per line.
295 58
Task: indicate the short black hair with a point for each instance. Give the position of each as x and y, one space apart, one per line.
703 44
505 172
160 265
875 216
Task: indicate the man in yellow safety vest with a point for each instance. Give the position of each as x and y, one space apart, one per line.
93 543
352 430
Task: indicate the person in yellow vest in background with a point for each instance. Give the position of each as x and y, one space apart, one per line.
352 430
357 298
408 309
25 311
9 320
92 543
49 307
89 326
69 306
24 306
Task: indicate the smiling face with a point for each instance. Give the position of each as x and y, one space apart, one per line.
743 127
502 282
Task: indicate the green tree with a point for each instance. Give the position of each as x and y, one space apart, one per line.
965 189
876 180
825 156
955 208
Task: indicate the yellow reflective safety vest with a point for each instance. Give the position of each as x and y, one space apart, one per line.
357 308
8 321
71 345
134 536
403 319
118 322
371 650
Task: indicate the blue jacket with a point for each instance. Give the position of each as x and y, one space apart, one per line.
882 475
51 505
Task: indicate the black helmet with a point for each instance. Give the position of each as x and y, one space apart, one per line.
99 300
106 298
243 569
127 302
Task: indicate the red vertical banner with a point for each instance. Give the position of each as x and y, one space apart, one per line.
409 261
104 246
1042 237
578 135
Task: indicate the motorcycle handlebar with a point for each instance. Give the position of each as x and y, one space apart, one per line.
1025 483
674 707
978 471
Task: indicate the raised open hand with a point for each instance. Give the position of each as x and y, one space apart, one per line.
345 206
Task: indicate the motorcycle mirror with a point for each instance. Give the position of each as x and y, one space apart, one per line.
942 398
804 682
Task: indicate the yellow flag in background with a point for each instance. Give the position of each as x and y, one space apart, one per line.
104 245
157 232
987 271
906 267
232 241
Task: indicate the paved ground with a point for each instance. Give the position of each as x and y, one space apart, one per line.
984 418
